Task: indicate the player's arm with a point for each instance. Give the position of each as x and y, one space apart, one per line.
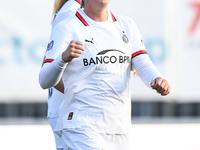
60 85
150 75
51 73
68 10
79 47
144 66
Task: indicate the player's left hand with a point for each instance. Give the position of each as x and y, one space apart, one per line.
161 86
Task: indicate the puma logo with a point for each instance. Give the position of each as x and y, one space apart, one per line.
89 41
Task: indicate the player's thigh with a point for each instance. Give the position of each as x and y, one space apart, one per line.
83 139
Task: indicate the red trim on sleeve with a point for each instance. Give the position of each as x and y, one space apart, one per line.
48 60
79 1
139 52
81 19
113 17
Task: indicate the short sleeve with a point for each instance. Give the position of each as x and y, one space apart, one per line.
137 41
59 41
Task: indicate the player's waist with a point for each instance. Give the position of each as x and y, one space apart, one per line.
101 122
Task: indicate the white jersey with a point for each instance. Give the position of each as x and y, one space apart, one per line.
55 97
97 91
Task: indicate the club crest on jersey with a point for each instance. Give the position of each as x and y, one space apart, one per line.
50 46
125 38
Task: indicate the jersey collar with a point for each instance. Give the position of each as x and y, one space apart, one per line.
87 21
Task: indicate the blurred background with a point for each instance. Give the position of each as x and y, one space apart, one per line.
171 34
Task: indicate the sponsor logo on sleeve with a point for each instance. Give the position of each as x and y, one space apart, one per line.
50 45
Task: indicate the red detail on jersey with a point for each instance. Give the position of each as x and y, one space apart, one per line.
139 52
48 60
197 17
81 19
113 17
79 1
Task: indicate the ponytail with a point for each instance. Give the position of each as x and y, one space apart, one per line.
57 6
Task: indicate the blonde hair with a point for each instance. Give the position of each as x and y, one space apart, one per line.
57 6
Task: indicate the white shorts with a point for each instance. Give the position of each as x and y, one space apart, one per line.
58 140
87 139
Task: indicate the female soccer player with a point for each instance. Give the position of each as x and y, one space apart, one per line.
63 9
95 67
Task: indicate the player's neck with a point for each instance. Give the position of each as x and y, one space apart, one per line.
98 15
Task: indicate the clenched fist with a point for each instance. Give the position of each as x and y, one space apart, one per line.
161 86
74 50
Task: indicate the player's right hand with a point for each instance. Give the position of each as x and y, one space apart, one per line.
74 50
